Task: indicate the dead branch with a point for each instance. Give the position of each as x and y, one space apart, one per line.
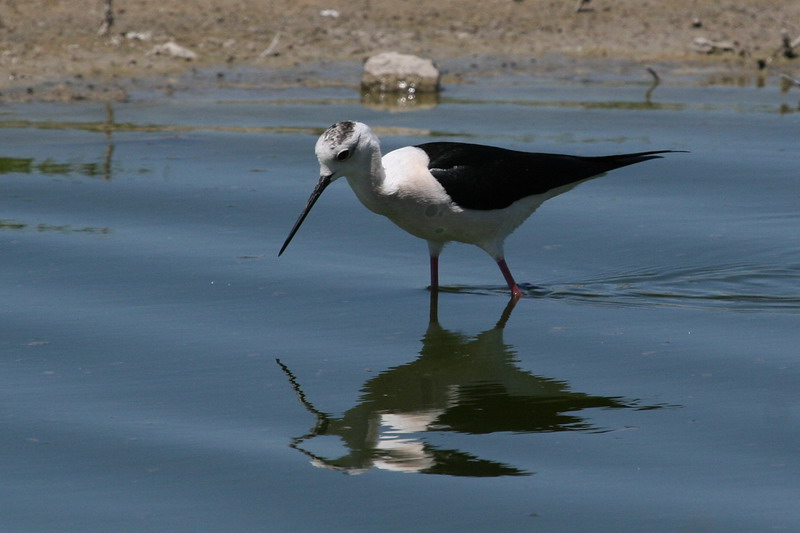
108 19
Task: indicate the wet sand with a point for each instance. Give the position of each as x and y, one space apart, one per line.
55 50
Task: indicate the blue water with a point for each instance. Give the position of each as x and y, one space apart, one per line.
161 369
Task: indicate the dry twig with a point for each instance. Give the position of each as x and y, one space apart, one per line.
270 50
108 19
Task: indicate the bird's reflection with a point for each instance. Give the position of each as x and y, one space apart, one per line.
459 383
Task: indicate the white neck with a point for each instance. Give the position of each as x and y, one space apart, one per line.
367 182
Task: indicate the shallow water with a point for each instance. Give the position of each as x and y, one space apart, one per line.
163 370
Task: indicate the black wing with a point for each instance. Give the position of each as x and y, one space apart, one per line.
485 177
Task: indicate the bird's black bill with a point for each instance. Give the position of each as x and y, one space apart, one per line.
323 182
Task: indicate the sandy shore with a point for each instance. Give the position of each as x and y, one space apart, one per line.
54 49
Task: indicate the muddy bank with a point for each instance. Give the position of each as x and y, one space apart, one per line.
58 50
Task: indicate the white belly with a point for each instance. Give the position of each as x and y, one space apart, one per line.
444 222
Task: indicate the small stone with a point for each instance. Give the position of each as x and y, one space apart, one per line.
139 35
172 49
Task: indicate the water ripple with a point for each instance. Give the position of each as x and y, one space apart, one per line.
744 287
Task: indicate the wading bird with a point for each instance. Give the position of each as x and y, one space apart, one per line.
448 191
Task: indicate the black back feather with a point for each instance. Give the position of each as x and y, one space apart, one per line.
486 177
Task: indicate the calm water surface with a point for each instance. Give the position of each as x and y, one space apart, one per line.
162 370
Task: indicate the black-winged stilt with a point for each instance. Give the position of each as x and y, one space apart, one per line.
447 191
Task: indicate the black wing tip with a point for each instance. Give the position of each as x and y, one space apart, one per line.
637 157
656 153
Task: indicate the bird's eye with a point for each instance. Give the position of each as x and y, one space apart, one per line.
344 154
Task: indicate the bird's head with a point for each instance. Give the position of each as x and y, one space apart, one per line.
345 149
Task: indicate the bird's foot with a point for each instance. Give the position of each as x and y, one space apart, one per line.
516 293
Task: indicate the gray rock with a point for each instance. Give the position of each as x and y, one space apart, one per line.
390 72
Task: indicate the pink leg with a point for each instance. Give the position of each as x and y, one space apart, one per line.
434 273
515 290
